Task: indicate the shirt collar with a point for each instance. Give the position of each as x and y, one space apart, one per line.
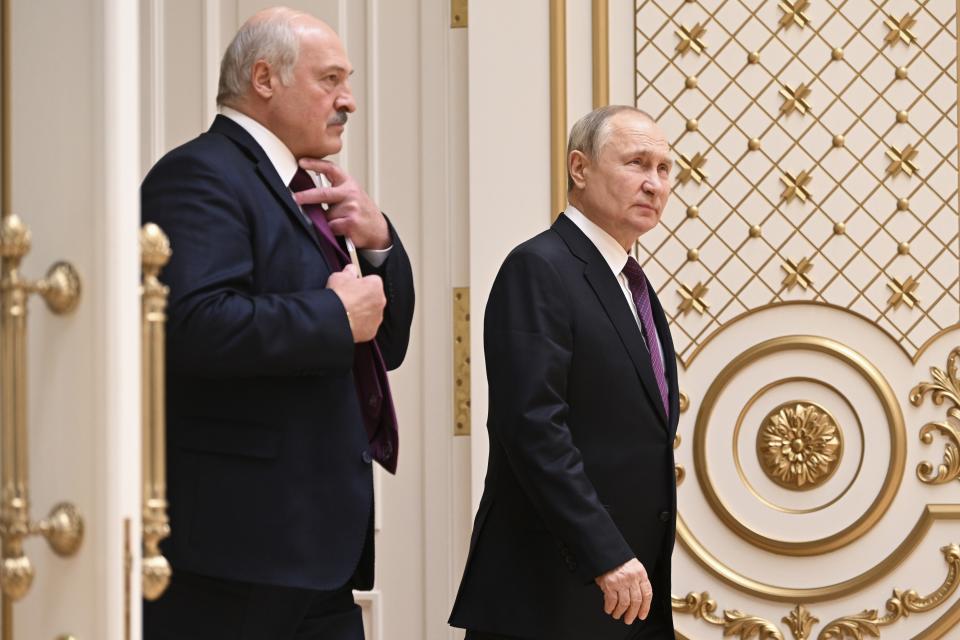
279 155
609 248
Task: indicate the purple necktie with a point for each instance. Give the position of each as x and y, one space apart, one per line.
369 370
641 297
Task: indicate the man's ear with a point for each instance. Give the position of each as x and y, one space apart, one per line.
577 164
261 78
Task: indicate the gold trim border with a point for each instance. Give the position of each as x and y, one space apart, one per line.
914 359
895 424
558 107
931 513
601 53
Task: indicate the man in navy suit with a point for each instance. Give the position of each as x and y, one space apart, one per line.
277 397
574 532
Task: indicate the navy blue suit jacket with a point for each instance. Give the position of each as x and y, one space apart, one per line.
269 476
580 476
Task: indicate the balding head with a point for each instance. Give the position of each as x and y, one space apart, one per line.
272 35
590 132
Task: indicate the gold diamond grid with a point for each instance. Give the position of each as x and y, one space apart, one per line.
851 227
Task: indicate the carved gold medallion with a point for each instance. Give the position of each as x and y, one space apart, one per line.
799 445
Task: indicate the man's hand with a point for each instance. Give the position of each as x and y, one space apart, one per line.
626 590
362 298
350 211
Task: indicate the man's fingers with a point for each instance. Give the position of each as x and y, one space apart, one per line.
623 603
636 600
320 195
609 601
334 174
646 589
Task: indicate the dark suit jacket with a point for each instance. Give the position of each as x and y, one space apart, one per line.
580 476
269 474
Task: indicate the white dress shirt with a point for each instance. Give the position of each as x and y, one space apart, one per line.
615 257
286 166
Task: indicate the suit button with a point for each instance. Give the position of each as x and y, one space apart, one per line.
665 516
387 450
366 456
372 401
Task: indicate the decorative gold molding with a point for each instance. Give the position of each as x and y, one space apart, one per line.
799 445
734 622
601 52
558 107
704 557
895 425
793 13
693 298
903 293
797 273
801 622
795 99
459 14
739 426
902 160
692 168
945 386
795 187
912 357
900 29
461 361
900 605
690 39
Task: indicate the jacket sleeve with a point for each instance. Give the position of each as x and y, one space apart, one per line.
528 342
217 325
393 336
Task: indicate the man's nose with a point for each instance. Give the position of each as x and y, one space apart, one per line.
345 101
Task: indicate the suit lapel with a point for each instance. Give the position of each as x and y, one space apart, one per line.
610 295
267 172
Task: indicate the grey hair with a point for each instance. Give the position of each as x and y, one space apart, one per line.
272 39
590 133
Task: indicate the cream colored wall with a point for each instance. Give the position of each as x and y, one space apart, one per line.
407 145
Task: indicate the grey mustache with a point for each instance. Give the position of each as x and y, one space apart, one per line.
340 118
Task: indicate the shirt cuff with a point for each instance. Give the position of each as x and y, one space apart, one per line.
376 257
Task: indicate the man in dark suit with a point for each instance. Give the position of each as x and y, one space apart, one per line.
277 397
574 532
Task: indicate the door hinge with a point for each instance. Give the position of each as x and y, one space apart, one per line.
461 361
458 14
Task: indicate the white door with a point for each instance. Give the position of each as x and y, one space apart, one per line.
73 154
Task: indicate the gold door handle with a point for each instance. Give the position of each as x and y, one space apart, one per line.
154 254
63 528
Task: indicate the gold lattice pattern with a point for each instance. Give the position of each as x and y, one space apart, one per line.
829 134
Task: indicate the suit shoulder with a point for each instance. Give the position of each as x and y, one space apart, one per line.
207 154
546 245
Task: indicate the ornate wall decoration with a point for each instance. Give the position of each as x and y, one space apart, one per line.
900 605
880 98
945 386
693 298
799 445
801 622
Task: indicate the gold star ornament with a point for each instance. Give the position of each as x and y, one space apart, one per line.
793 13
900 29
903 293
693 298
795 187
797 273
902 160
795 99
692 168
691 39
